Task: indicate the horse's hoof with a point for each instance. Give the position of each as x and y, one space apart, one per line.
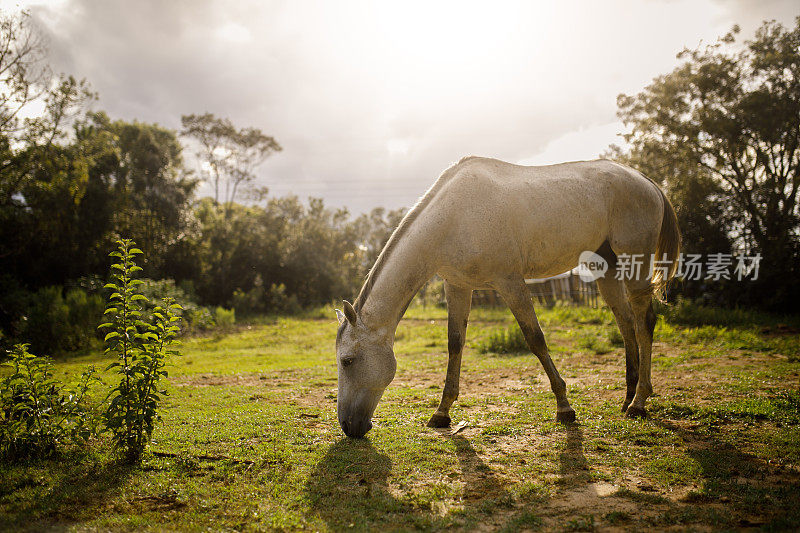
565 417
439 421
625 405
636 412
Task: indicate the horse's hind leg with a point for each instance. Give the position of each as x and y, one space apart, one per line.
640 296
613 292
516 295
458 305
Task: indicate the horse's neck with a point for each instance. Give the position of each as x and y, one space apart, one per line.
409 265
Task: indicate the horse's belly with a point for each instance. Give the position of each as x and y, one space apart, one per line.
545 258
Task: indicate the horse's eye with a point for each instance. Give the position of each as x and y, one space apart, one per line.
347 361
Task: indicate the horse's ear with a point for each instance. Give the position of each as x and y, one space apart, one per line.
340 316
349 312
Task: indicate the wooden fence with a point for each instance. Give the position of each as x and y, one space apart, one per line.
567 288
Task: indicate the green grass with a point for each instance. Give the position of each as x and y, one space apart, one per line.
504 340
249 437
687 313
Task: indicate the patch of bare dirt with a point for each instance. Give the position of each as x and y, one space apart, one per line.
226 380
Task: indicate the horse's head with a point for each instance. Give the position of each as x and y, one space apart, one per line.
366 367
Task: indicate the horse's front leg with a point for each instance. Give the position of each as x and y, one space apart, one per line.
459 301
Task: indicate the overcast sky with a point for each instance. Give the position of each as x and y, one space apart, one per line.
372 100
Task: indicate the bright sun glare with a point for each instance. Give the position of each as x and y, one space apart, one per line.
438 51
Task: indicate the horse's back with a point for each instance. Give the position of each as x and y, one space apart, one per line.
545 216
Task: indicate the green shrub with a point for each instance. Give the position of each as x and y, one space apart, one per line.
201 319
281 303
194 317
225 318
507 340
250 302
57 323
260 300
689 313
593 343
47 321
142 349
38 414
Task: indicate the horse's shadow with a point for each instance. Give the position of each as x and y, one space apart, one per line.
572 462
350 488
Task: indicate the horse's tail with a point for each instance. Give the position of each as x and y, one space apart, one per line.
668 247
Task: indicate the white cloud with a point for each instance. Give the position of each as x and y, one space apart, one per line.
582 144
233 32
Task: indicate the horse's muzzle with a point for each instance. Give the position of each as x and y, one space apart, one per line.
357 428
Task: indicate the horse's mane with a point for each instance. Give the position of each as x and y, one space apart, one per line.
401 230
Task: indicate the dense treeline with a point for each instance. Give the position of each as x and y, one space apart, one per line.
113 178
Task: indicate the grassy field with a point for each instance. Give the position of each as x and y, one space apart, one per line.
249 438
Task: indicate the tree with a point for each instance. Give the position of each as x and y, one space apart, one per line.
153 191
26 78
23 72
723 130
374 230
227 156
115 178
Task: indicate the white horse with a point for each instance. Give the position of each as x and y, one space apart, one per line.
487 224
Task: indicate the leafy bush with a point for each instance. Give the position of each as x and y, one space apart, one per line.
507 340
280 302
252 302
260 300
194 317
225 318
689 313
142 349
58 322
593 343
201 319
38 414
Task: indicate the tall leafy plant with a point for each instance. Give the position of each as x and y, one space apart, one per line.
141 348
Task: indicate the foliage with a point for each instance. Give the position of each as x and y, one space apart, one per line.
688 313
39 415
142 349
58 322
261 300
194 317
27 80
281 303
311 250
251 302
505 340
224 318
723 131
594 343
152 189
